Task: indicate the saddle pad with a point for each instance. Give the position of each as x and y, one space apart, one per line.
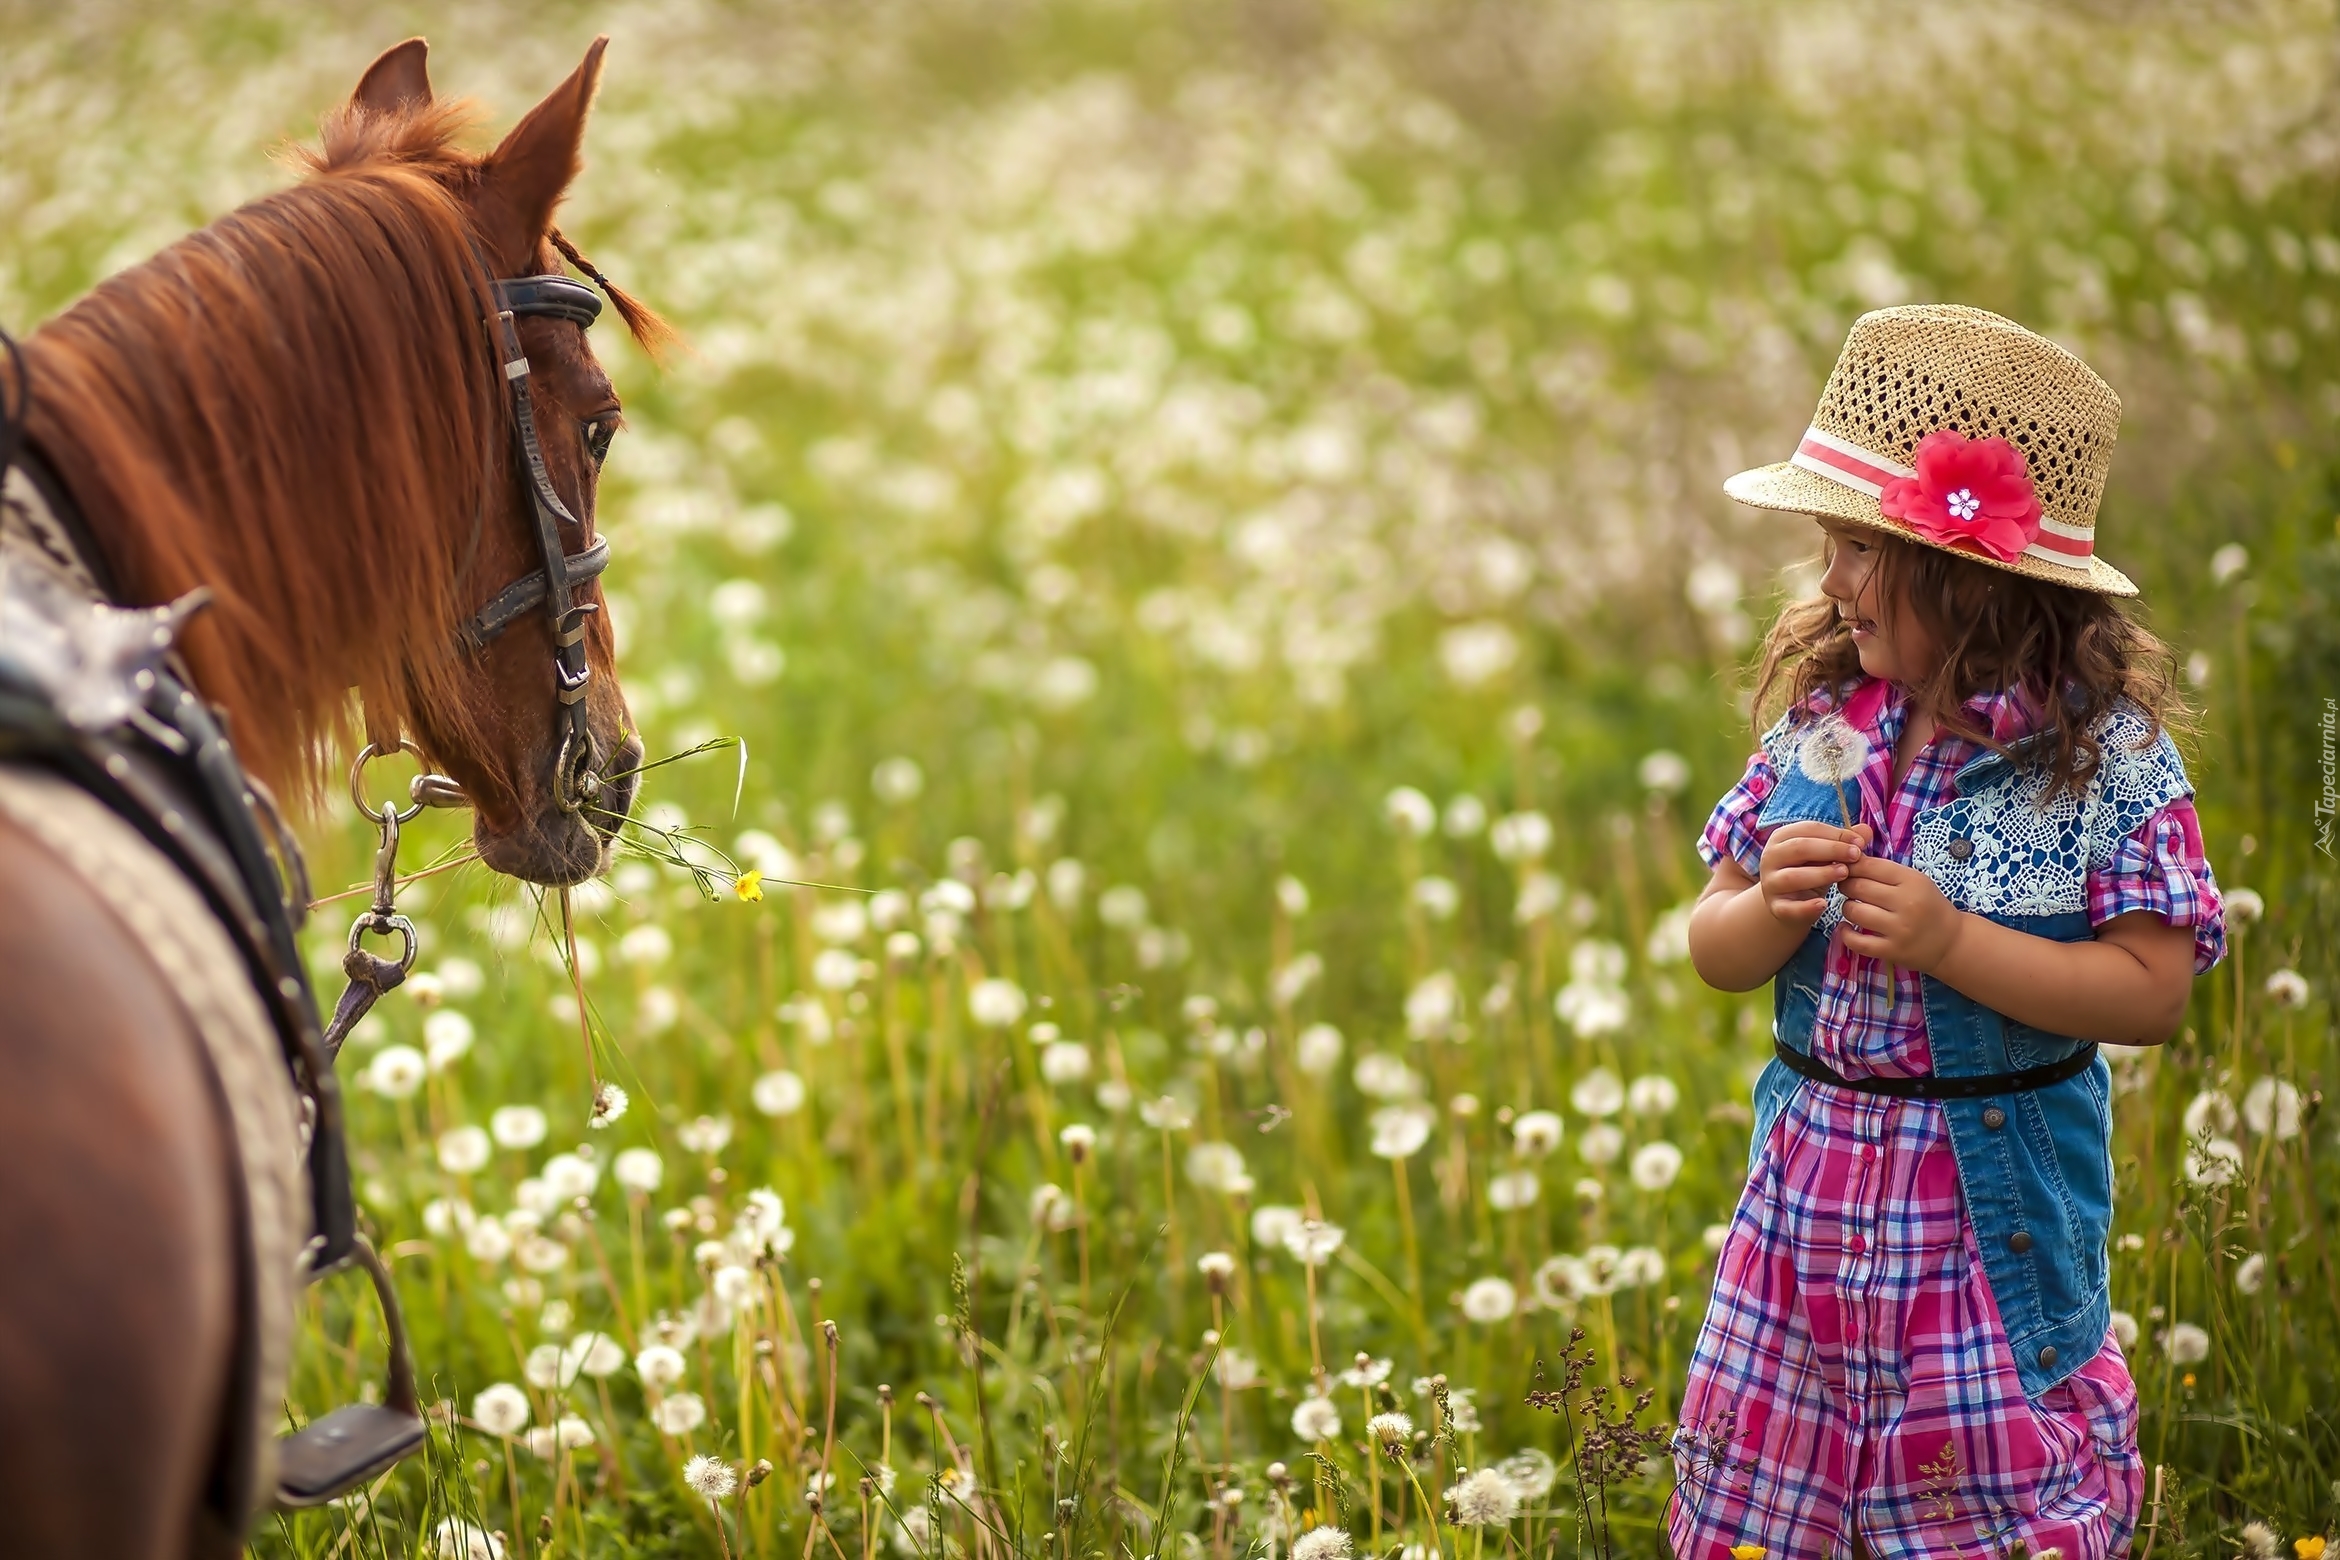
167 916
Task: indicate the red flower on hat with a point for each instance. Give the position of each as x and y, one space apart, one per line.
1973 493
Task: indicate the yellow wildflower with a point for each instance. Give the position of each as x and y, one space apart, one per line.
749 885
1746 1552
2309 1548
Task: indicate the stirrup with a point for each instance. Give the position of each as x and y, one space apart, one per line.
331 1456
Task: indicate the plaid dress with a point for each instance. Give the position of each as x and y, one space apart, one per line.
1852 1352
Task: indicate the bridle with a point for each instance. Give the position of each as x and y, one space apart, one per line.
551 587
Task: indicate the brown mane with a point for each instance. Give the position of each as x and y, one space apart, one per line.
298 406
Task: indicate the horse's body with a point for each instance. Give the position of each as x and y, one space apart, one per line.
302 409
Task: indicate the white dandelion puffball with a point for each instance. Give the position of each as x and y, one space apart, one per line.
447 1035
542 1368
638 1170
2259 1541
1317 1053
1218 1266
1438 897
1065 1062
2244 906
1390 1429
609 1104
540 1254
1399 1131
570 1433
1409 811
1431 1006
996 1002
1652 1094
2209 1111
517 1126
1601 1143
2217 1163
1596 961
1537 1133
1316 1419
1216 1167
1513 1189
2271 1105
568 1177
1079 1140
2287 990
1366 1372
1539 896
1520 836
1655 1165
456 1539
704 1134
1378 1075
2124 1329
1640 1266
659 1366
1313 1241
1484 1499
592 1354
1531 1474
464 1150
1167 1114
396 1071
2251 1273
443 1216
710 1478
1669 938
779 1093
1273 1223
2186 1344
1321 1543
1490 1300
839 969
488 1242
1832 752
1665 772
1562 1281
679 1413
1591 1011
1051 1207
501 1409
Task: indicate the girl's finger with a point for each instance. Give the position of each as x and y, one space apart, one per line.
1803 879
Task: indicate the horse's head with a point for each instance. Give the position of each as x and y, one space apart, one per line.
551 767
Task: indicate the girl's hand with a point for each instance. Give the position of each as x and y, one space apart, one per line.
1895 913
1801 862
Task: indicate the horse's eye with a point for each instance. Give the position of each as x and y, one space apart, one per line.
598 434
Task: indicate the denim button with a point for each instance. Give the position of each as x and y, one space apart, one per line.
1961 848
2047 1358
1994 1118
2020 1241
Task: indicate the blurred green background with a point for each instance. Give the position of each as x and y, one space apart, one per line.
1142 435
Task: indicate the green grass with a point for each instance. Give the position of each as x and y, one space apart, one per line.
1171 428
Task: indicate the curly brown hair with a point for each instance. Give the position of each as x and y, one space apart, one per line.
1998 630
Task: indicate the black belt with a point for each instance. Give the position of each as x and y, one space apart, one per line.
2021 1081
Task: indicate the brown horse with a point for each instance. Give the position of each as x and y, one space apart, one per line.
303 408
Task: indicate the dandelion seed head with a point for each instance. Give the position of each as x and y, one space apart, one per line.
1313 1241
1655 1165
710 1478
609 1104
2287 990
517 1126
638 1170
1322 1543
1318 1050
2245 907
2260 1542
2186 1344
1597 1094
1537 1132
777 1093
660 1365
464 1150
1316 1419
1484 1499
1390 1430
1490 1300
679 1413
1531 1474
396 1072
501 1409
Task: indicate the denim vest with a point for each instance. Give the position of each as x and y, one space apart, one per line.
2035 1167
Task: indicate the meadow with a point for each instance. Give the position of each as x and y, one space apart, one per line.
1183 575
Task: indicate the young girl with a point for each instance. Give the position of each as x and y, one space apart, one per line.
1964 856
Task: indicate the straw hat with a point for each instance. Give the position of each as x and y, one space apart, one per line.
1958 430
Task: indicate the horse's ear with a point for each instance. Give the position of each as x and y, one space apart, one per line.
524 178
398 82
